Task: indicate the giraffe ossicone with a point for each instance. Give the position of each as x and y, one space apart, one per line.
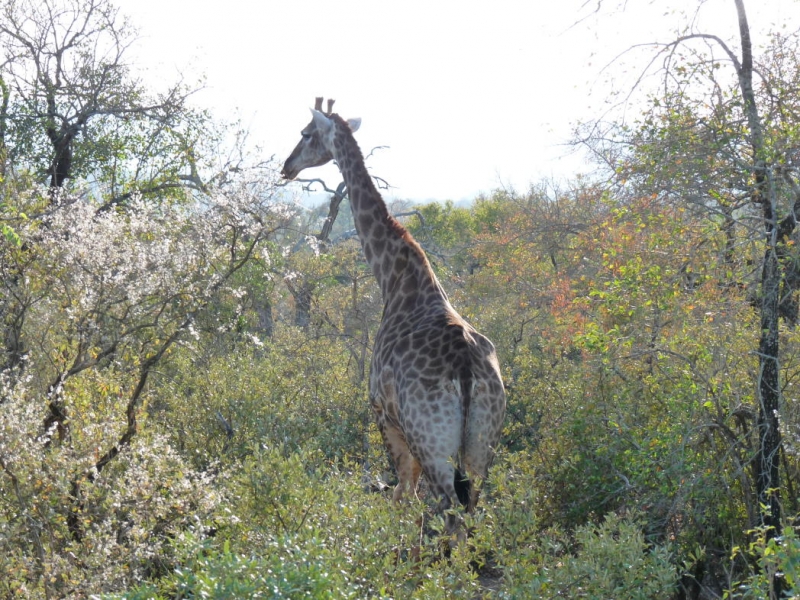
435 386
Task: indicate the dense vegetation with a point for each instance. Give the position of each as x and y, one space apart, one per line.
183 405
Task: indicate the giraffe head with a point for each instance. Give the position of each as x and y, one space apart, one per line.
316 142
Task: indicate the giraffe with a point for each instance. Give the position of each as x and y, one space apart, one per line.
434 385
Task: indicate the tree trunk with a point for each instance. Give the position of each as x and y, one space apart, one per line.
769 391
266 321
303 295
61 163
769 396
5 98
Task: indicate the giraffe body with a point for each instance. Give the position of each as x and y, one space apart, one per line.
435 386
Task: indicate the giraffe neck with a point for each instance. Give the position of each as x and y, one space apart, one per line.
392 253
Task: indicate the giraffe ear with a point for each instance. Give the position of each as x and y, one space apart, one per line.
322 122
354 124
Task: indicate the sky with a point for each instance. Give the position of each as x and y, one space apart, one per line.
467 96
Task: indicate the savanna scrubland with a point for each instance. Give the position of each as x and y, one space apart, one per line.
183 407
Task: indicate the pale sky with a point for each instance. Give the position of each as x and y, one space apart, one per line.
468 96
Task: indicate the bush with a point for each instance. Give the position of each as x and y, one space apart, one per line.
116 531
612 560
778 556
274 395
286 572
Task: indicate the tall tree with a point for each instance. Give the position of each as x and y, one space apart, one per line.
72 107
727 149
104 264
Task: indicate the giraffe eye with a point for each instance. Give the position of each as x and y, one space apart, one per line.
305 135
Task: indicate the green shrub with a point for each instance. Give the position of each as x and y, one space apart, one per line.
286 572
612 560
296 395
777 556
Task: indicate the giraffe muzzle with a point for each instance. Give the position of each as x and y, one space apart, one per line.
288 174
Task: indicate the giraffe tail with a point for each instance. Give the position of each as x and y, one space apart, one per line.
463 487
461 482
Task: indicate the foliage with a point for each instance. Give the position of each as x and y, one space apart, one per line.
286 392
183 405
774 557
126 516
75 109
625 349
105 298
629 386
612 561
281 573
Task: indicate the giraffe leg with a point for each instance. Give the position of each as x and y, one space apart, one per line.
384 407
408 467
432 426
483 432
440 477
408 472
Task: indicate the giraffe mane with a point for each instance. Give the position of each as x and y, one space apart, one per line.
393 224
404 234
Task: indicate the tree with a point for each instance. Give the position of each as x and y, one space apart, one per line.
73 110
727 149
123 222
72 107
109 297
